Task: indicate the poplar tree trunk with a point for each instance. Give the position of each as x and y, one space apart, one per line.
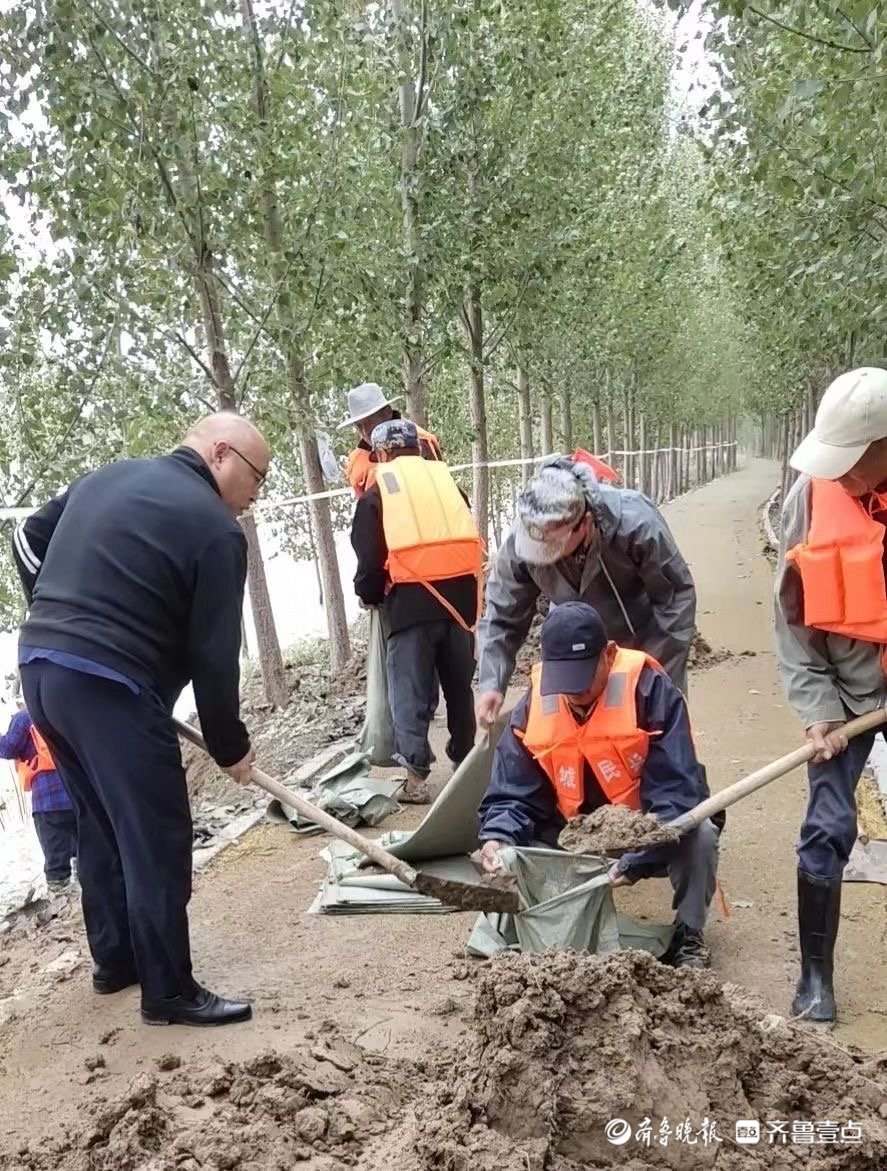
303 413
525 417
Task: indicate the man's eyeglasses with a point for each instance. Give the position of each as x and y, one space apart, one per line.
260 476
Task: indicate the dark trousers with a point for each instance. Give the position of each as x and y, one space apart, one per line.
417 657
120 761
57 834
829 827
692 869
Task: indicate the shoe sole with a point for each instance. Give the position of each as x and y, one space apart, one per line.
231 1020
104 991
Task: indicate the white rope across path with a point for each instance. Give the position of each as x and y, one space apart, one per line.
332 493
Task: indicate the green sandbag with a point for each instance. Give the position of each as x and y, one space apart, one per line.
376 738
569 905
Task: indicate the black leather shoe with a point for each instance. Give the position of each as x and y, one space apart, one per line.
108 980
819 913
203 1008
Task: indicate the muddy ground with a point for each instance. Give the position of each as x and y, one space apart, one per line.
400 987
560 1049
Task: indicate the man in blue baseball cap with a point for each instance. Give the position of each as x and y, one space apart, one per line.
601 725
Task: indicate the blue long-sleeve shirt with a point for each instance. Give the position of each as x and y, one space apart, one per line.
520 805
48 793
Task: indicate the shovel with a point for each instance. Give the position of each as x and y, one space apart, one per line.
467 896
763 776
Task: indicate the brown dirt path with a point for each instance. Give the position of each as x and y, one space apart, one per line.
398 983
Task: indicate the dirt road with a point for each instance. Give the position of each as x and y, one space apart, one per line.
398 983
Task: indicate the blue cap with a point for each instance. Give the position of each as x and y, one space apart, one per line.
573 640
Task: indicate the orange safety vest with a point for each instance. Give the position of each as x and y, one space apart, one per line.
842 566
609 741
42 762
429 530
361 469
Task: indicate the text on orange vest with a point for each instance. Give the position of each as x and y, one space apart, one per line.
609 742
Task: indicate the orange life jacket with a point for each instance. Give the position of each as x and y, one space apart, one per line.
609 741
429 530
41 762
842 566
361 469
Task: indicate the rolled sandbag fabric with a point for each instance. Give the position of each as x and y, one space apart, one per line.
377 734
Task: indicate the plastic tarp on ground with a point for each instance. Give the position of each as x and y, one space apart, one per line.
450 825
348 793
444 838
377 734
569 900
349 889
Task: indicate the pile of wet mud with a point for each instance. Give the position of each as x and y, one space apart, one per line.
574 1062
568 1048
614 827
315 1109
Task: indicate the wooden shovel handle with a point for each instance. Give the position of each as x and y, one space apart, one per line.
770 772
320 817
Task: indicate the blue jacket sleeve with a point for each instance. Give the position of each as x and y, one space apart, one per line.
17 743
673 781
519 806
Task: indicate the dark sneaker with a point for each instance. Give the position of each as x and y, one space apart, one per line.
687 949
203 1008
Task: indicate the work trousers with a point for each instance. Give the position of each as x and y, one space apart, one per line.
119 758
417 657
56 831
829 827
692 869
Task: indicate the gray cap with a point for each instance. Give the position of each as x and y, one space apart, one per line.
549 509
395 435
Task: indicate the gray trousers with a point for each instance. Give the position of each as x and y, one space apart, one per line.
693 871
417 657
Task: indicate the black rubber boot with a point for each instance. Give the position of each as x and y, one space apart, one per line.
201 1008
819 912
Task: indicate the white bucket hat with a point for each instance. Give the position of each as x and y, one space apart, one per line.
364 401
851 416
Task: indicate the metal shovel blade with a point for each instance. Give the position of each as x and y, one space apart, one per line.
868 861
491 895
